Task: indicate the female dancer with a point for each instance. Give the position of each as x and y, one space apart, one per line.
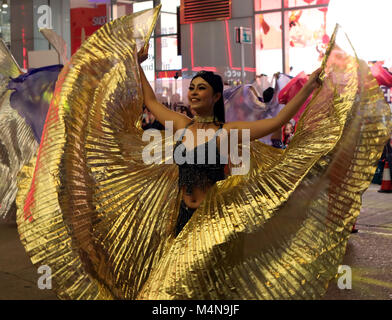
104 220
205 96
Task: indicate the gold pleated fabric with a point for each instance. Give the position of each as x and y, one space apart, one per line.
58 219
103 220
17 147
17 142
8 67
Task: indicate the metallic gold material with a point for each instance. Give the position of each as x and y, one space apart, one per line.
203 119
17 146
99 89
8 68
17 143
21 99
8 65
104 220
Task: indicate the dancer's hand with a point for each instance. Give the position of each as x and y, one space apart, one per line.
314 80
142 55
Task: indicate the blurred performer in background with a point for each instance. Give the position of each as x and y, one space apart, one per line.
255 101
25 99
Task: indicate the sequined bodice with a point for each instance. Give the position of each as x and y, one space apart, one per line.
197 167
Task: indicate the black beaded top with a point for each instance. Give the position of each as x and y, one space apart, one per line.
199 173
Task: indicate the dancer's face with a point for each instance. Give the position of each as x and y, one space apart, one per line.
201 97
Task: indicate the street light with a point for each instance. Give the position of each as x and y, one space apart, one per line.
5 4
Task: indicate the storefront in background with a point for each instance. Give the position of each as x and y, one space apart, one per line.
76 20
290 35
85 21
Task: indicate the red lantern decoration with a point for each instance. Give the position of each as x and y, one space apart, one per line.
264 25
325 39
309 1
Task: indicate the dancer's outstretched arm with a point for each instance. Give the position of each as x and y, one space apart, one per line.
160 111
261 128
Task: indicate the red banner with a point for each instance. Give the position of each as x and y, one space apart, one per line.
84 22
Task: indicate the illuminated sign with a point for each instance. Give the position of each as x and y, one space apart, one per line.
243 35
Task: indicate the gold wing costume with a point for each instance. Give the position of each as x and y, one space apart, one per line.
103 220
24 103
17 142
